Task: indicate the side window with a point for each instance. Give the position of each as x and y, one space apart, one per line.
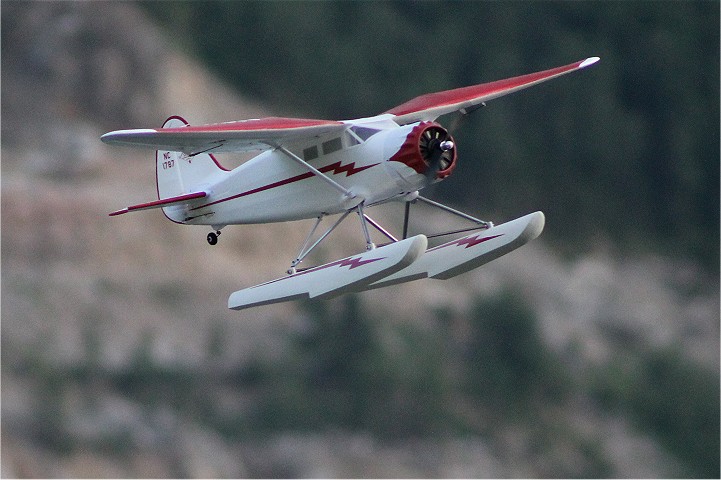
332 146
310 153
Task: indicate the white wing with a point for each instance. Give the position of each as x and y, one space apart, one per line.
241 136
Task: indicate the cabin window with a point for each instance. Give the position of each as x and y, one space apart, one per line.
310 153
332 146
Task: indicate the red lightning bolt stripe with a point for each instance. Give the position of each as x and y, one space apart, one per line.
347 262
357 262
467 241
349 169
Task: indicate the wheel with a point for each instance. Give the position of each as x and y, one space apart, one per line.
212 238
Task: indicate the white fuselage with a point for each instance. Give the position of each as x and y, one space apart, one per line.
272 187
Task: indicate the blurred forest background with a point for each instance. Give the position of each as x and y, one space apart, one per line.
591 352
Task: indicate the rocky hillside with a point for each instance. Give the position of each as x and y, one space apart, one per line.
108 322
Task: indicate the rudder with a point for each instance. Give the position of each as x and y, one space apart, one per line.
178 173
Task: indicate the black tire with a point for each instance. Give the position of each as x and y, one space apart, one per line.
212 238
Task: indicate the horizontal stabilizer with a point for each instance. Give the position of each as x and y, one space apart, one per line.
469 252
165 202
333 278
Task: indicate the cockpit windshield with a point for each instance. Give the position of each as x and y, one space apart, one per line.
364 133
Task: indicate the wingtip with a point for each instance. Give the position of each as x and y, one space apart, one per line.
589 61
119 135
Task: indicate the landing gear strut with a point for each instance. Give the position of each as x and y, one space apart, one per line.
213 237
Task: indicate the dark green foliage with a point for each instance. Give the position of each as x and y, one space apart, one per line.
675 400
338 375
627 151
478 373
508 367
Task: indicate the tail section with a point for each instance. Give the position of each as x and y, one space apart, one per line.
178 173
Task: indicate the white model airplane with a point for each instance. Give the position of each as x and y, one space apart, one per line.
316 168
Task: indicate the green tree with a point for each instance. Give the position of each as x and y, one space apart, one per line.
508 367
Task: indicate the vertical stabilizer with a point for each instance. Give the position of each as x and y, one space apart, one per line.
178 173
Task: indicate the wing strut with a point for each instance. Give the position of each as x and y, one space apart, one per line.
406 217
364 220
305 249
362 216
380 228
481 224
458 213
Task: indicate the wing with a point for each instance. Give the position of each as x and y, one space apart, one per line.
241 136
433 105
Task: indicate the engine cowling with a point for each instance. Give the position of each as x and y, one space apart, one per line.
429 150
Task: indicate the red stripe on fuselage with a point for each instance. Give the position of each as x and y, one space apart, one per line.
260 189
335 168
349 168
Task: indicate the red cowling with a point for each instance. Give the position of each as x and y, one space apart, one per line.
421 151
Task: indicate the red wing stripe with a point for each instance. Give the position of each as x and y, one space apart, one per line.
491 90
256 124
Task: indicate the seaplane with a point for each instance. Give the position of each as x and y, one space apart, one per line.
313 169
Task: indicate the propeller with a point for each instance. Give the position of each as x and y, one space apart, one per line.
438 150
437 144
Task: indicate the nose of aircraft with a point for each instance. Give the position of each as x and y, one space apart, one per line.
429 150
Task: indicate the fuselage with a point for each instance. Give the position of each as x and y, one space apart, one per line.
375 161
